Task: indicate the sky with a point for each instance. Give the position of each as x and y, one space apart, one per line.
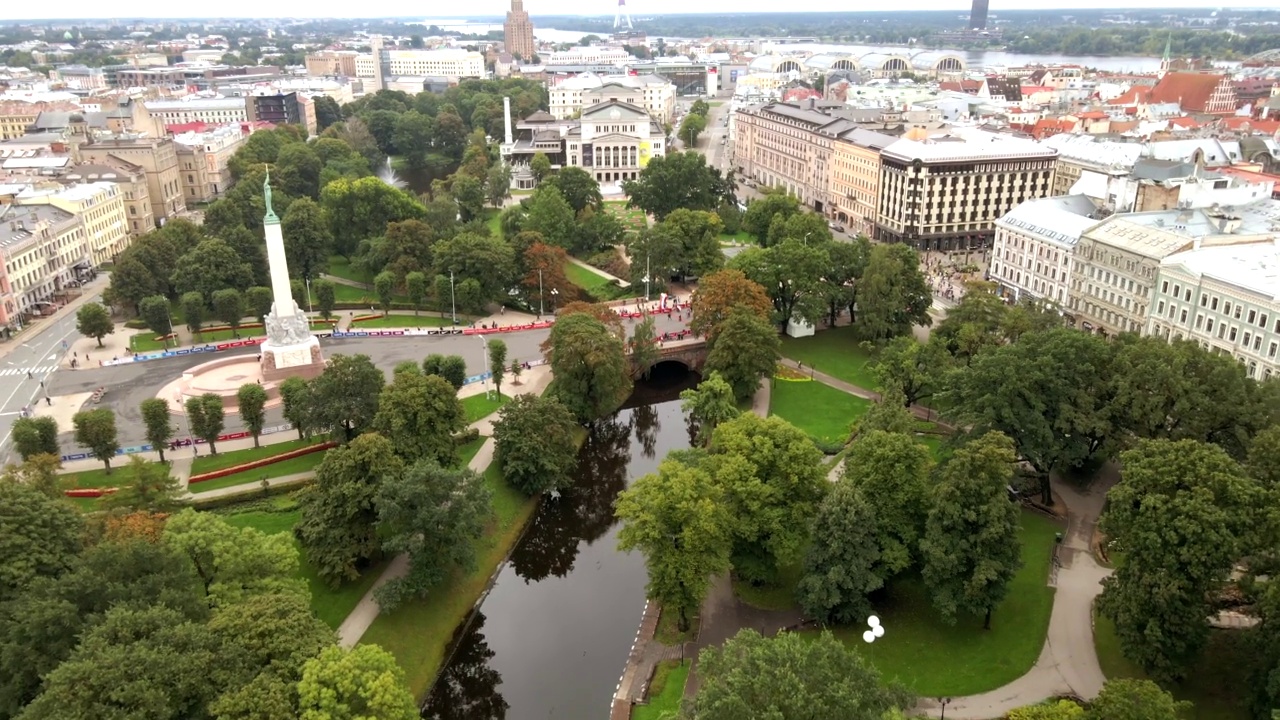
72 9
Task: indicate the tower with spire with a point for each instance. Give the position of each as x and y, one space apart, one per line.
290 348
622 15
1166 61
518 32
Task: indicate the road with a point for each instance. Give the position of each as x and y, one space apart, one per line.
38 354
128 385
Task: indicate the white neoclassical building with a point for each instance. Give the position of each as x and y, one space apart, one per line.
614 141
1031 253
655 94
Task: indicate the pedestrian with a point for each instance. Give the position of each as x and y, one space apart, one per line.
30 376
47 401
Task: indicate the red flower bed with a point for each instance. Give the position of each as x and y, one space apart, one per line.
260 463
88 492
362 318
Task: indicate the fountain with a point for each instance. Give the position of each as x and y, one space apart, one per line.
388 176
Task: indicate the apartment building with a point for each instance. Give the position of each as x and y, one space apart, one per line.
44 252
17 116
1081 154
335 63
1032 251
157 157
132 180
214 111
453 63
655 94
1226 298
203 159
947 192
280 108
855 178
79 77
99 206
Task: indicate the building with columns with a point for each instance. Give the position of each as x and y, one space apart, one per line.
614 141
517 32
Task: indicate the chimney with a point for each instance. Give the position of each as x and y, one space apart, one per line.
506 113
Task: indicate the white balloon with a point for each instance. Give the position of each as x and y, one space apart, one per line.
873 621
869 636
878 631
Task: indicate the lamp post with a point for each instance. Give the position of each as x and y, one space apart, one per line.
646 277
554 293
539 293
169 317
453 301
308 282
944 702
484 361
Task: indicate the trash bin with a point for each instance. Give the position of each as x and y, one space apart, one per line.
1057 537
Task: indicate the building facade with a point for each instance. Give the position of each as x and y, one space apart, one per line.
44 253
655 94
1033 247
203 162
157 157
214 111
279 108
517 32
855 178
131 179
99 206
614 141
947 193
332 63
788 146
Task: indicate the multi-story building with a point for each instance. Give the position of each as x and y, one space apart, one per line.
158 159
449 62
1206 93
947 192
1078 154
614 141
588 54
214 111
17 116
282 109
1226 298
79 77
655 94
99 206
332 63
44 253
1031 255
203 159
132 180
855 178
517 32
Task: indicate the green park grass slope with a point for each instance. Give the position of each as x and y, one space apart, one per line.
836 352
206 463
292 466
584 277
820 410
665 691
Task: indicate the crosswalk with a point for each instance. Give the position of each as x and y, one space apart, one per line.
35 371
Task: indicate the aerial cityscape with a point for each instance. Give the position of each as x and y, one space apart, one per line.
629 360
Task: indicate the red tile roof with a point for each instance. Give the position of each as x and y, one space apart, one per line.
1269 127
1190 90
1186 123
1135 95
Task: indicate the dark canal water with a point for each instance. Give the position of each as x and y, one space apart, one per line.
552 637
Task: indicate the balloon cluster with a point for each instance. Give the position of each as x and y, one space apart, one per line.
876 631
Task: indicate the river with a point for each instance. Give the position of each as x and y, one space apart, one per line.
553 635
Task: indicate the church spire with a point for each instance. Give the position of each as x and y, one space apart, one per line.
1166 62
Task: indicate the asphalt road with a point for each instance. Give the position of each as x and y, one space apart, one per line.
38 354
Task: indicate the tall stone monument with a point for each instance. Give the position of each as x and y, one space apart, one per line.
290 348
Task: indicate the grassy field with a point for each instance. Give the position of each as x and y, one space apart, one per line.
665 690
494 220
300 464
583 277
820 410
147 341
742 237
468 451
1218 684
633 219
208 463
836 352
400 321
482 406
772 597
341 267
93 478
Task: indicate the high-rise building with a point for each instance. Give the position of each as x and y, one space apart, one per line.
518 32
978 15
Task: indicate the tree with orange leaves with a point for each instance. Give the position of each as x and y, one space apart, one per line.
544 272
719 293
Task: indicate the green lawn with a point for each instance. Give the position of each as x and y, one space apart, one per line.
227 335
494 220
208 463
933 658
469 451
300 464
583 277
781 596
820 410
836 352
93 478
482 406
665 690
1218 684
399 321
742 237
341 267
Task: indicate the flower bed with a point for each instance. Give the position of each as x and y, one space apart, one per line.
261 463
88 492
359 318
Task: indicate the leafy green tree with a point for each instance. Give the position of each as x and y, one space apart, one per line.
211 266
324 292
1264 458
452 368
685 243
719 294
361 209
676 517
384 284
761 213
419 414
841 281
497 362
691 128
745 350
590 366
96 430
487 262
411 136
892 470
577 187
307 240
548 213
257 302
913 367
892 294
1184 512
790 273
790 676
131 281
844 564
970 544
535 444
93 320
416 286
497 184
147 487
251 400
1126 699
338 528
228 307
193 309
678 181
708 405
344 398
154 311
773 479
468 192
234 563
295 394
540 166
363 683
35 436
40 536
643 347
434 515
1049 710
207 418
889 414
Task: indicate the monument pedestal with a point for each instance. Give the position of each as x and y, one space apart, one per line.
302 359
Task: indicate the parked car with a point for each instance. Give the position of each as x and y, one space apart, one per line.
835 227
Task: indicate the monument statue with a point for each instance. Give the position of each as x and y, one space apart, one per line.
290 348
266 194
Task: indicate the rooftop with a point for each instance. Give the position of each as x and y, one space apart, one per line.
1252 266
962 144
1085 148
1127 233
17 222
1060 220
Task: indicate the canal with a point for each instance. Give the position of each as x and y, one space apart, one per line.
553 635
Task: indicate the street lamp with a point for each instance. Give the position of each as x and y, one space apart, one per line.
484 361
646 277
453 300
554 294
308 282
168 317
944 702
539 293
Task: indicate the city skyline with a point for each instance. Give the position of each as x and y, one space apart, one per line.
145 9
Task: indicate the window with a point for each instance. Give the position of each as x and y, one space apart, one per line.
1226 308
1253 316
1214 306
1183 317
1271 353
1236 315
1232 336
1199 321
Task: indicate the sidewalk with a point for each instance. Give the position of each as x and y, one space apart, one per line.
89 290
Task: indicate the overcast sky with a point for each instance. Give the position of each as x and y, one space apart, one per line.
14 9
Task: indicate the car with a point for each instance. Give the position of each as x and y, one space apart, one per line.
836 227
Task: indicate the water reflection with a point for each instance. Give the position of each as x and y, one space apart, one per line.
468 688
644 422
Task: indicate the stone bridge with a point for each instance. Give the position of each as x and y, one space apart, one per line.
692 353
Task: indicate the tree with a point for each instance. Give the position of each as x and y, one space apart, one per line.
678 181
251 400
234 563
893 472
691 128
228 307
1049 710
145 487
790 676
498 184
889 414
590 366
840 283
193 310
93 320
131 281
411 136
677 518
535 444
327 112
96 430
1126 699
338 527
468 193
970 544
154 311
206 417
211 266
892 295
744 351
684 243
324 292
257 302
497 362
719 294
36 436
361 209
773 479
40 536
363 683
761 213
643 347
307 239
488 263
577 187
844 564
159 425
544 273
295 394
549 214
790 273
452 368
540 166
416 286
709 404
384 284
344 398
419 414
1184 512
913 367
434 515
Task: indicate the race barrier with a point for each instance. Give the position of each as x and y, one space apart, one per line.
181 443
